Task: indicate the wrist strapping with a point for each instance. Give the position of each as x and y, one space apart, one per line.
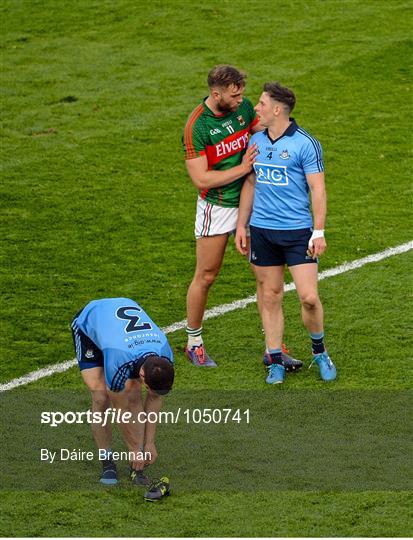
317 233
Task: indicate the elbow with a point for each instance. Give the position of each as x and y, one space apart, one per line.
199 183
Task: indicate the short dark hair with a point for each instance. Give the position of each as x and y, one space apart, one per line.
280 93
159 373
224 75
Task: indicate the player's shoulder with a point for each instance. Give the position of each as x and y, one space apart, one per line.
197 115
258 137
306 138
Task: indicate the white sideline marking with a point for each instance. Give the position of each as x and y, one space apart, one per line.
216 312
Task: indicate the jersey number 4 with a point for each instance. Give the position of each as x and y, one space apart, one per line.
132 325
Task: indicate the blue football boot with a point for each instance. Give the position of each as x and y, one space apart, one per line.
276 374
328 370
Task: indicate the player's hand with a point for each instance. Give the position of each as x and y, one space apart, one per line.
150 448
249 157
317 246
241 240
138 464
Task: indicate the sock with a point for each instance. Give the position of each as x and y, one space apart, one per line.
194 337
275 355
317 343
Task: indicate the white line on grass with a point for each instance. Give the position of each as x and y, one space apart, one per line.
216 312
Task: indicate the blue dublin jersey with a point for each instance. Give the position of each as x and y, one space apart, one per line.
281 195
124 333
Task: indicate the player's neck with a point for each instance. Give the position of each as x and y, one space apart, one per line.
210 103
277 129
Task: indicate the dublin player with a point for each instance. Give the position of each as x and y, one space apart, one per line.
217 157
284 230
120 349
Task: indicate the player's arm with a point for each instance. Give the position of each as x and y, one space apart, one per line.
133 431
202 178
153 404
244 213
316 183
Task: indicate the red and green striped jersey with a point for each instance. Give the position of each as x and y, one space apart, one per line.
223 139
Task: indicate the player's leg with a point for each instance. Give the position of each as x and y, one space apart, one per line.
90 360
129 400
270 287
291 364
94 379
305 279
210 252
268 262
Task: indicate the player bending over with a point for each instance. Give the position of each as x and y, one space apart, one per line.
120 349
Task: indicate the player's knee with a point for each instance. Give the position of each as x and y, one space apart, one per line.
207 277
272 295
100 400
310 301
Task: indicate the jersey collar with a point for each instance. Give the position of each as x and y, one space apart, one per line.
289 132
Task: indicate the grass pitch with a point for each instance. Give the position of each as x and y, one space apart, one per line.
96 202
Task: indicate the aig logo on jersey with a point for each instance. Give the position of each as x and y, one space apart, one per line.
276 175
285 155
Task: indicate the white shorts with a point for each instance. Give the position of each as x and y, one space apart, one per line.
212 219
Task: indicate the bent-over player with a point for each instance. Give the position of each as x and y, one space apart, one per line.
120 349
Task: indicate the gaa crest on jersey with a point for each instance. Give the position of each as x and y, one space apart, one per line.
285 155
241 120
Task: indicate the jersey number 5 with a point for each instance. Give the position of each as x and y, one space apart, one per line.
133 325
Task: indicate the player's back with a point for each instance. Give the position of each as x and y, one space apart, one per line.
111 323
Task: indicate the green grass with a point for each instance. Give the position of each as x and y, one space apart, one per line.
96 202
218 514
88 181
335 459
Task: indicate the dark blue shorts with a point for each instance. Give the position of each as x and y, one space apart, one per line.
276 248
87 353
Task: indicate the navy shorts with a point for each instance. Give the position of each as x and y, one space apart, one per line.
87 353
276 248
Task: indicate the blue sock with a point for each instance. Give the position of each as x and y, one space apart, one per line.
317 343
275 355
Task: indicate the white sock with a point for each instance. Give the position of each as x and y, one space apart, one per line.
194 341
